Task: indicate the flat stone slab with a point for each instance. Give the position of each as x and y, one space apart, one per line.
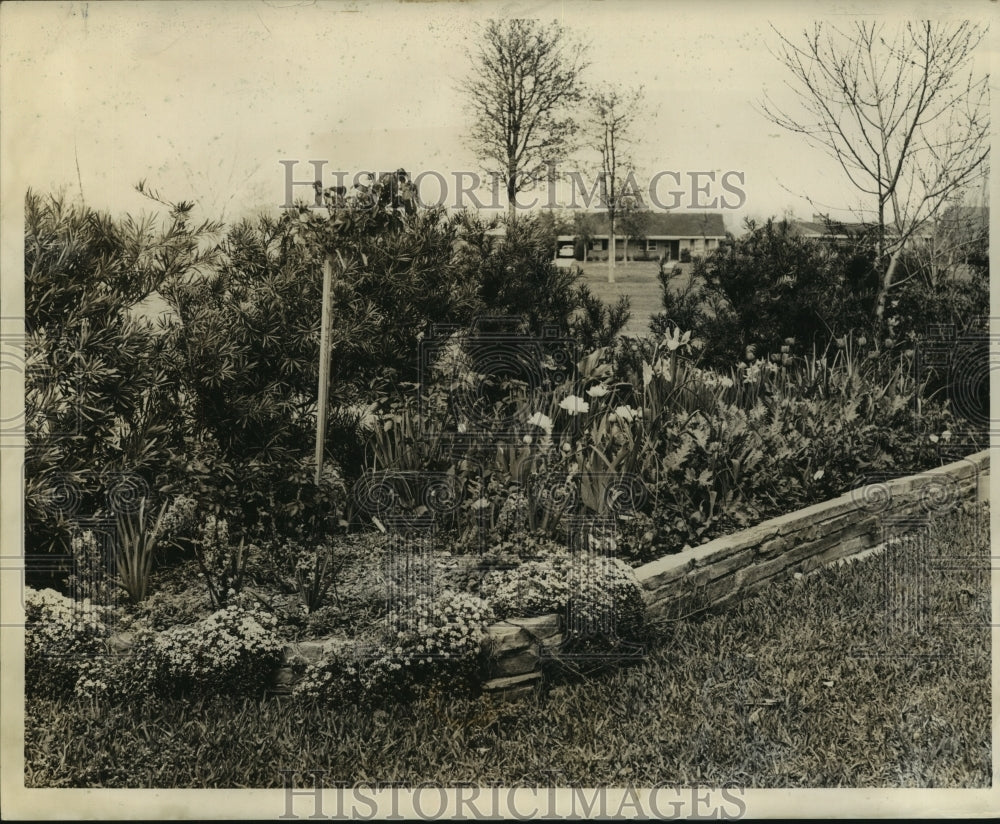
500 684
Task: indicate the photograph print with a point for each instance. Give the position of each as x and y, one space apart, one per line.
458 410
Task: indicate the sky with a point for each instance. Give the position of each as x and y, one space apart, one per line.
204 100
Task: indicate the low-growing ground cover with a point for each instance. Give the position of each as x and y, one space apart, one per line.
809 684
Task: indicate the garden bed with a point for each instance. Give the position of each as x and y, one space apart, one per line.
736 565
679 584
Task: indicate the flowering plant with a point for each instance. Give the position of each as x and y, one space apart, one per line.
222 564
597 594
429 641
232 649
62 638
453 626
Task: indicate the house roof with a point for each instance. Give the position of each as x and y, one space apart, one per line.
673 224
815 228
839 229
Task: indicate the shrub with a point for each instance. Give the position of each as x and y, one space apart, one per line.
98 391
63 640
534 587
453 626
771 284
683 308
599 595
519 277
430 643
605 602
231 650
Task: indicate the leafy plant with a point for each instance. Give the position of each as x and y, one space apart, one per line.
597 594
135 545
98 386
91 577
232 650
221 562
314 576
62 637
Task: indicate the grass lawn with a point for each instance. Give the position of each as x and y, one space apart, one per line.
804 685
638 280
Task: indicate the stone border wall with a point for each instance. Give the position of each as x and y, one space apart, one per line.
739 564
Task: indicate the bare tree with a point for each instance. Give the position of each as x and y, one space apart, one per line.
521 94
615 113
902 112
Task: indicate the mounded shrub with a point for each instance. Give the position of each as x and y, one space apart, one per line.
428 644
63 639
232 650
598 595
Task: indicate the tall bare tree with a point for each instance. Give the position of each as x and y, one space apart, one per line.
901 110
521 95
615 113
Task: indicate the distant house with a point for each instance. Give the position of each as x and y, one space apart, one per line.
667 234
835 231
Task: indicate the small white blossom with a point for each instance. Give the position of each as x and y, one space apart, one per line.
574 405
542 421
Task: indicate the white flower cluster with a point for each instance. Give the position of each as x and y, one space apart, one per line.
533 588
626 414
574 405
450 629
593 587
453 626
232 649
213 650
751 373
711 378
61 637
604 599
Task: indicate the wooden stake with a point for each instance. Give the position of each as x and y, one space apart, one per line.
324 367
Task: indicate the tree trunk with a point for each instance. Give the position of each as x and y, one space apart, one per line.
625 254
324 368
611 253
511 192
883 291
